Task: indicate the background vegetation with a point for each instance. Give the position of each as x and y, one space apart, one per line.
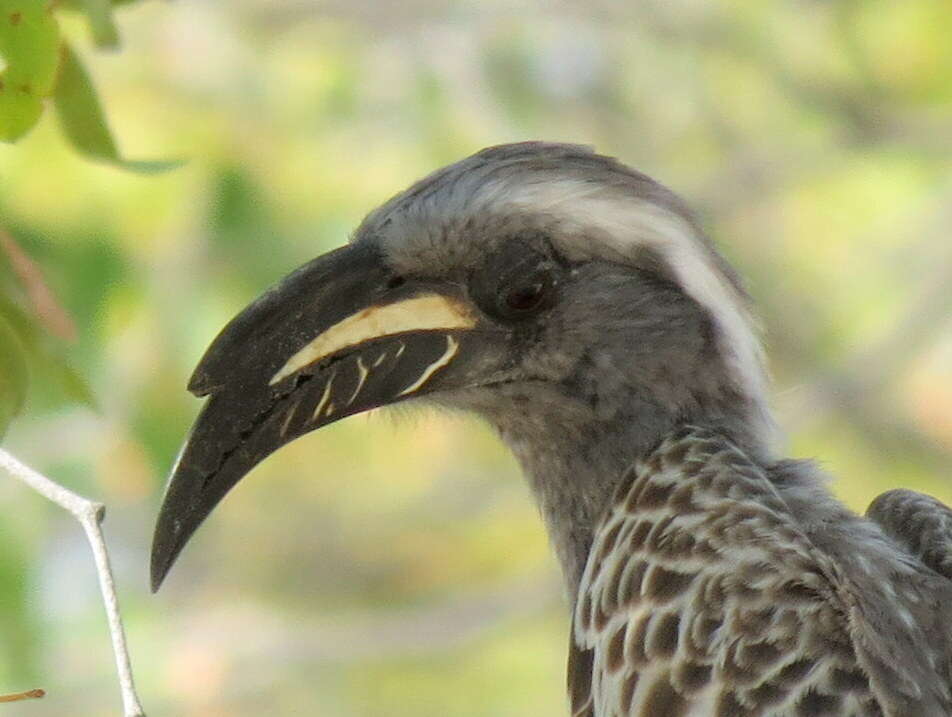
398 567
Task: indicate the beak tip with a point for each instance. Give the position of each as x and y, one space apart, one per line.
167 543
183 508
161 563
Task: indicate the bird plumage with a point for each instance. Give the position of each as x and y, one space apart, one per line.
704 594
575 304
919 523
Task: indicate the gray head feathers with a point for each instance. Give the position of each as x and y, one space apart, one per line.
590 206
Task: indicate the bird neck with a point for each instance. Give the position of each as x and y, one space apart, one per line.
572 481
575 454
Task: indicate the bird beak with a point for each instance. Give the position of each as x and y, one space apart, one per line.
338 336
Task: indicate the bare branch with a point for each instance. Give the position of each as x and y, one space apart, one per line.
90 515
18 696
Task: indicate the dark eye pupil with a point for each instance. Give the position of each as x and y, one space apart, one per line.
525 297
517 283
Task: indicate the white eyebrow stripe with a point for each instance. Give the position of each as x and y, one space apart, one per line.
327 395
362 370
452 348
427 312
628 225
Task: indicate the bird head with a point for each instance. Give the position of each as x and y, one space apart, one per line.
568 299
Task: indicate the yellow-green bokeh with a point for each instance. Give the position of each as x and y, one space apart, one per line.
394 564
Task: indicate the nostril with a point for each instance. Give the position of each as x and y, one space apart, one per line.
396 282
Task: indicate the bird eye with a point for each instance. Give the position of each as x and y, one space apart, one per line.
525 298
517 281
528 296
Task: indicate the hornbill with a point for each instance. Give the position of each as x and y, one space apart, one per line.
575 304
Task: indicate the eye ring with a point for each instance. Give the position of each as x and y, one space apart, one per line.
518 281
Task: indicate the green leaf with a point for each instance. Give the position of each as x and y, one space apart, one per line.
46 357
19 322
75 386
83 121
101 23
80 112
29 45
13 374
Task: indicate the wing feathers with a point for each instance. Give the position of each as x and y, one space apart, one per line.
919 523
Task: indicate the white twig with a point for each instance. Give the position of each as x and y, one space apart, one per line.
90 515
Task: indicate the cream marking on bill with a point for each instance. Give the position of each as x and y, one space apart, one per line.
324 397
428 312
287 419
361 378
452 347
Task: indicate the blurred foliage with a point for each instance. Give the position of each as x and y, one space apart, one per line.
399 567
13 374
39 64
29 45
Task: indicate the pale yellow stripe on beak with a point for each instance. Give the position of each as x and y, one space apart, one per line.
361 378
430 312
287 419
452 346
326 395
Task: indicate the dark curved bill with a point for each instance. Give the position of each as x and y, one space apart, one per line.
329 341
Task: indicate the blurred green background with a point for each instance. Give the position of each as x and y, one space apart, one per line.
398 567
